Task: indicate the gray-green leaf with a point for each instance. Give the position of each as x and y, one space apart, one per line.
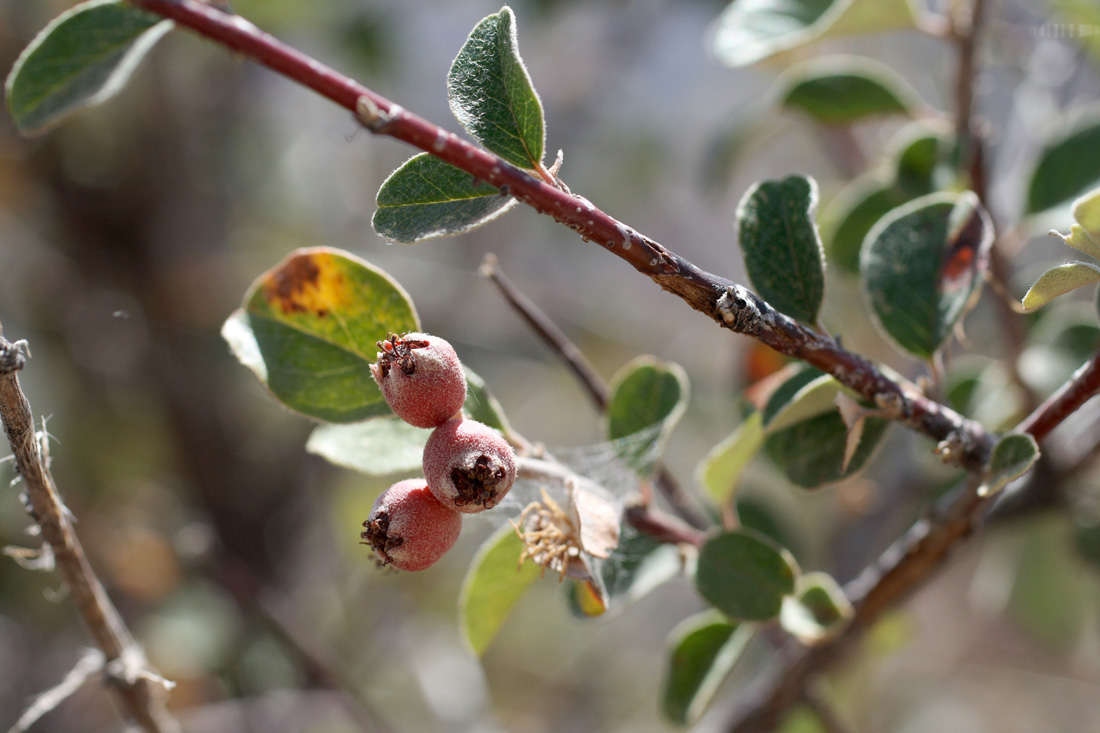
1067 167
702 651
82 58
745 575
811 452
647 399
844 89
1059 281
493 585
920 265
378 447
1011 458
749 31
427 198
491 93
782 250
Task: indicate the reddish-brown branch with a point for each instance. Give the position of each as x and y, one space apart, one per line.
728 304
1081 387
140 697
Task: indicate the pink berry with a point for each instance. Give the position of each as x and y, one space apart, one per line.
421 378
409 528
468 465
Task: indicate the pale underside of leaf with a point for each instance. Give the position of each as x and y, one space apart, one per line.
82 58
1059 281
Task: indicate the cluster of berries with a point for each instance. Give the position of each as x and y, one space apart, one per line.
468 466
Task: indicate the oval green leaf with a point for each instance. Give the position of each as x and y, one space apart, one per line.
851 214
845 89
647 399
427 198
920 265
720 471
745 575
377 447
1011 458
309 327
811 453
702 650
493 585
82 58
782 250
1068 166
749 31
818 610
1059 281
491 93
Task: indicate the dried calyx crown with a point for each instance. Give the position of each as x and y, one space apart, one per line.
398 351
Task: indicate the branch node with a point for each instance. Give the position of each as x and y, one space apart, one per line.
13 356
373 117
954 449
40 559
739 310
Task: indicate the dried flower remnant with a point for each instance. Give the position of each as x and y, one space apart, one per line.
561 540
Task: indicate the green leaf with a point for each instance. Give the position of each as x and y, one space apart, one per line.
745 575
1011 458
921 151
482 406
1084 236
1068 166
377 447
1059 281
309 327
702 650
82 58
491 93
427 198
811 453
783 254
853 213
749 31
805 395
844 89
493 585
719 472
647 399
920 265
818 610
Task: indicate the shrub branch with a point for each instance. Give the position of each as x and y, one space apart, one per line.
139 690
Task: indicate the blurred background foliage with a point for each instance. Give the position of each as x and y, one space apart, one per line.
129 234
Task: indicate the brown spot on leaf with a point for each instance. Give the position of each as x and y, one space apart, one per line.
288 287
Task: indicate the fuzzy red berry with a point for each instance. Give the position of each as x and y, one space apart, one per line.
421 378
409 528
468 465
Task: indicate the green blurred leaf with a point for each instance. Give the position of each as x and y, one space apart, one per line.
844 89
855 211
817 611
427 198
493 585
921 150
482 406
745 575
749 31
811 453
813 393
1011 458
702 650
1059 281
782 251
1084 236
720 470
920 265
647 399
309 327
1068 166
82 58
377 447
491 93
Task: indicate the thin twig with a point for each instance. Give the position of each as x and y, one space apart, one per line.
586 374
728 304
134 681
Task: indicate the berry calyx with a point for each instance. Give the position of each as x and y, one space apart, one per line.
421 378
409 528
468 465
